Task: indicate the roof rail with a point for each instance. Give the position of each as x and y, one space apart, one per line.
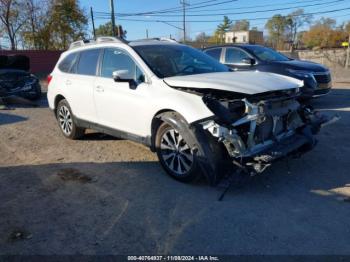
156 39
103 39
79 43
168 39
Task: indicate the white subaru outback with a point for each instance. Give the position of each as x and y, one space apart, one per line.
200 118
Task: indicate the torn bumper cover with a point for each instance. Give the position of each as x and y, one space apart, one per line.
257 132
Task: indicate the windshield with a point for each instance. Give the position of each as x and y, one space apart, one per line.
267 54
177 60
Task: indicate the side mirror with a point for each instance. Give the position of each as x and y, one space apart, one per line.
249 61
121 76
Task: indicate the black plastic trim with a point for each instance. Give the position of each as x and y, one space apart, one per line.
113 132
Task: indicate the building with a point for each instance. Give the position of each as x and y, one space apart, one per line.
245 37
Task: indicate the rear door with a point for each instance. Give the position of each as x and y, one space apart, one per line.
81 83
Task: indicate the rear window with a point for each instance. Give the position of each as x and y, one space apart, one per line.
214 53
67 64
88 62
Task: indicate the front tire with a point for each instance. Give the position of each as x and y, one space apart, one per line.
175 154
66 122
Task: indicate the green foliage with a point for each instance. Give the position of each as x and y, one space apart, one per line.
42 24
67 23
222 29
276 27
324 34
106 30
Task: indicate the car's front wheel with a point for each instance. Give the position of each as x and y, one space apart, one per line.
175 154
66 121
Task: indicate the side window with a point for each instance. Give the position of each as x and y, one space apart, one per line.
115 59
235 56
67 64
214 53
88 62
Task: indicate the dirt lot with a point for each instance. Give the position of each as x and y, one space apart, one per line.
102 195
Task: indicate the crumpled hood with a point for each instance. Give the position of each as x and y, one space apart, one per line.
241 82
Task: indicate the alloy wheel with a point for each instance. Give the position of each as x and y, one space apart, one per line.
65 120
176 153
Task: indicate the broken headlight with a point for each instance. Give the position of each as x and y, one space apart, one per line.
226 112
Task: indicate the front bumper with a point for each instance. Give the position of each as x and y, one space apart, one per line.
294 145
321 92
28 90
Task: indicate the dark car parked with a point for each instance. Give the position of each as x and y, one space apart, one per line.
317 78
15 78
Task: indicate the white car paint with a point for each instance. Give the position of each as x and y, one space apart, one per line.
241 82
115 105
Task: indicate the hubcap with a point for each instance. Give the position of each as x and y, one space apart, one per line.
175 152
65 120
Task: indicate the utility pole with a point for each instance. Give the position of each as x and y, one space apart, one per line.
93 22
112 17
146 33
347 64
183 2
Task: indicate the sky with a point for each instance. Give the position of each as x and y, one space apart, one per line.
209 11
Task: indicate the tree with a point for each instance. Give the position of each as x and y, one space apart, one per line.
295 21
67 23
201 38
12 19
106 30
32 33
241 25
324 34
276 27
223 28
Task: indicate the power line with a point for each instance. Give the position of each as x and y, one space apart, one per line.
172 10
218 21
253 7
248 12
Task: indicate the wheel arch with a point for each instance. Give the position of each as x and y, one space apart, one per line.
58 98
156 122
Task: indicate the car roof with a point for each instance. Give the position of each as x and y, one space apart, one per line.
150 42
231 45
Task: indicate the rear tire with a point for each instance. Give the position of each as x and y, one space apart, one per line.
66 121
175 154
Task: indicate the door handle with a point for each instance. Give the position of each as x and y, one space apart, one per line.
68 82
99 89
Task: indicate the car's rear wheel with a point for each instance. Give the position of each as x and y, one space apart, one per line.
66 121
175 154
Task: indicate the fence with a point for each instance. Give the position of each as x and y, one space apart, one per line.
41 62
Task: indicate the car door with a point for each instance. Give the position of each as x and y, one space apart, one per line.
215 53
121 105
238 59
80 84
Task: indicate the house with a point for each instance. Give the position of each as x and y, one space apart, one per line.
244 37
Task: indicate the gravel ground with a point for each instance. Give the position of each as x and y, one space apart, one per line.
101 195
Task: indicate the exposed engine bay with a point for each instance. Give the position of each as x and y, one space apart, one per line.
259 129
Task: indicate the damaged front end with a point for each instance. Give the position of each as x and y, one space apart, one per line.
259 129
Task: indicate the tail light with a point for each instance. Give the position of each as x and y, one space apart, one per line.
49 78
